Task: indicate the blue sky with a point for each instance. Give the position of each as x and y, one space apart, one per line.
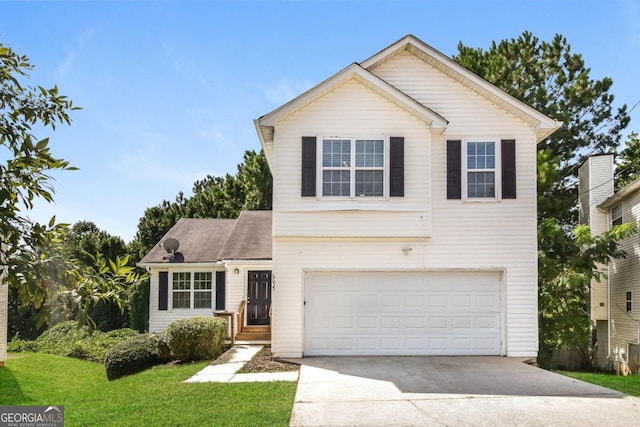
169 89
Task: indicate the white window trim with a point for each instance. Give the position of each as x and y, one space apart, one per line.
497 170
192 291
614 218
352 184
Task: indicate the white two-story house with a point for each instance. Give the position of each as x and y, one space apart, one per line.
404 212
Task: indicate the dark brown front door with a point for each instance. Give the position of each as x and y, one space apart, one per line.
259 298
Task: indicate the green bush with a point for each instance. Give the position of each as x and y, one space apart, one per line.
196 338
18 345
138 306
62 338
66 339
132 355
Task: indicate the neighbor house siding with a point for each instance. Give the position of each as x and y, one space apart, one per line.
624 275
596 184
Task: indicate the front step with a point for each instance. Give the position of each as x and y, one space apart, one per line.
254 333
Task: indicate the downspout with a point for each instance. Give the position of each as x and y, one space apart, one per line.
609 311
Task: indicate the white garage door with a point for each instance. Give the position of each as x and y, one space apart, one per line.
407 313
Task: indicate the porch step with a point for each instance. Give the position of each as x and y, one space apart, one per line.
254 333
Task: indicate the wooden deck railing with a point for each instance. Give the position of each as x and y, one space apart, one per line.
240 323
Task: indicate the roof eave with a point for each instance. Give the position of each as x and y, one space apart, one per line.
544 125
374 82
621 194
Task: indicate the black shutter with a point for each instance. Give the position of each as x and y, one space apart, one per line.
454 169
220 290
163 290
308 166
508 169
396 162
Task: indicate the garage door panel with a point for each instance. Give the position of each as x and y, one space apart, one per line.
402 313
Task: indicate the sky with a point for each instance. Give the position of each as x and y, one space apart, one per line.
169 89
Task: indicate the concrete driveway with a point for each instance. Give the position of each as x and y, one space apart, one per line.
450 391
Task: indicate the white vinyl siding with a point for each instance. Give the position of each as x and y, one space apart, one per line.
373 235
236 291
624 278
596 184
4 301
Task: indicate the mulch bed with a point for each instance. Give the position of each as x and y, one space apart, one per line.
263 361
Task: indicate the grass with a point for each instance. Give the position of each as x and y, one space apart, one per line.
156 397
629 385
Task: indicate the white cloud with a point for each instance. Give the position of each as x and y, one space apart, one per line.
285 90
81 41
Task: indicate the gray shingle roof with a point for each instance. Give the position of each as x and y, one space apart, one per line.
250 237
210 240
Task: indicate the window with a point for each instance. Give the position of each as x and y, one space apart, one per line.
481 160
628 300
192 290
616 215
353 167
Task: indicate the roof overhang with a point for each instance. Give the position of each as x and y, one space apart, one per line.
542 125
265 125
620 195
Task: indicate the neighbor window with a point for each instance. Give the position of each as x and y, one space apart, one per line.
192 289
628 300
353 167
616 215
481 169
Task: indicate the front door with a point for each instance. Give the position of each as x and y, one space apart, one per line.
259 297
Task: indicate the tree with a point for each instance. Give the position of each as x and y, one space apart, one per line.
553 80
25 173
628 165
104 283
213 197
84 239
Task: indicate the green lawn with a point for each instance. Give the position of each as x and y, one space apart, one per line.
628 385
156 397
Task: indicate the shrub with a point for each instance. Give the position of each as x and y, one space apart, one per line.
196 338
132 355
67 339
96 346
18 344
138 306
61 338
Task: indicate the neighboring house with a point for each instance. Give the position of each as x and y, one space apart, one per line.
615 301
4 309
404 212
220 265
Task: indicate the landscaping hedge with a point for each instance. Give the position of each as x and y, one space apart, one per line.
196 338
132 355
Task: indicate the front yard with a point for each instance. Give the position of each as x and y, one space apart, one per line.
155 397
629 385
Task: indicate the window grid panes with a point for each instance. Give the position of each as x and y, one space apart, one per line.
616 215
481 165
363 177
196 287
202 285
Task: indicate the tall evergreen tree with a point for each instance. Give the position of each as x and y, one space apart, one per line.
555 81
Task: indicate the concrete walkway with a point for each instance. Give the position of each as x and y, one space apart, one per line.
450 391
223 369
